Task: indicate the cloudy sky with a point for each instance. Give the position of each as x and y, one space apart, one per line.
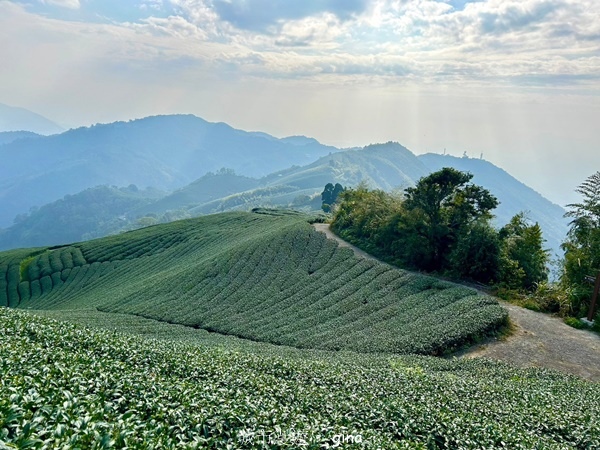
516 80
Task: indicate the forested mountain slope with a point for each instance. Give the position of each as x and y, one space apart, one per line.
6 137
94 212
383 166
164 152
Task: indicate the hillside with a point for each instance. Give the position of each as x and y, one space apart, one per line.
94 212
514 196
6 137
72 387
264 277
385 166
20 119
164 152
207 188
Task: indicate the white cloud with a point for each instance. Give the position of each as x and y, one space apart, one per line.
527 42
492 76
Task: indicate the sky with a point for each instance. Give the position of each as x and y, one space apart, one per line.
517 81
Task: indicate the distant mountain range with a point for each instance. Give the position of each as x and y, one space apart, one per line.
63 188
20 119
103 210
165 152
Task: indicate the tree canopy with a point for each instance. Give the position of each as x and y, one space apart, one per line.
330 195
448 204
443 225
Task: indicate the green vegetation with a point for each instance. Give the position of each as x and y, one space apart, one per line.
575 323
570 296
330 195
582 246
513 195
92 213
267 276
65 386
442 225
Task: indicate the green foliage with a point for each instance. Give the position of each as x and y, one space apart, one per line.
582 246
513 195
64 386
443 225
575 323
523 260
596 325
330 195
552 297
268 277
476 254
447 205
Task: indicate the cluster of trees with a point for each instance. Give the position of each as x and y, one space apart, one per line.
443 225
330 195
581 263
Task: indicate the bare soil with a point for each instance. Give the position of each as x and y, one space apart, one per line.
536 340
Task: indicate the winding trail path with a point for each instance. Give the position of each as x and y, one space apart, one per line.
538 340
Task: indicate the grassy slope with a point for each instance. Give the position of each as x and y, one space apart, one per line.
63 386
261 277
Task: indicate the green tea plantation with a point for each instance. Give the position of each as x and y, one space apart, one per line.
254 331
263 277
67 386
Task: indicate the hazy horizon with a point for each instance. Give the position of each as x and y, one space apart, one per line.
515 80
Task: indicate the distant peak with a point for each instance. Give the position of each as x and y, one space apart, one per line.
14 118
386 145
300 140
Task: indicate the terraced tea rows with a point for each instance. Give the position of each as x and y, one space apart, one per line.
63 386
269 278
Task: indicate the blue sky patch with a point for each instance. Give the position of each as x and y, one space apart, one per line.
102 11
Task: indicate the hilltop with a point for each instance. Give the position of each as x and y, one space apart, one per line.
6 137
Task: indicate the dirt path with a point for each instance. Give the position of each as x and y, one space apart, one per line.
538 340
324 228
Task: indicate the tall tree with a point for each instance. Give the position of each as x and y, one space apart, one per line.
330 195
448 205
